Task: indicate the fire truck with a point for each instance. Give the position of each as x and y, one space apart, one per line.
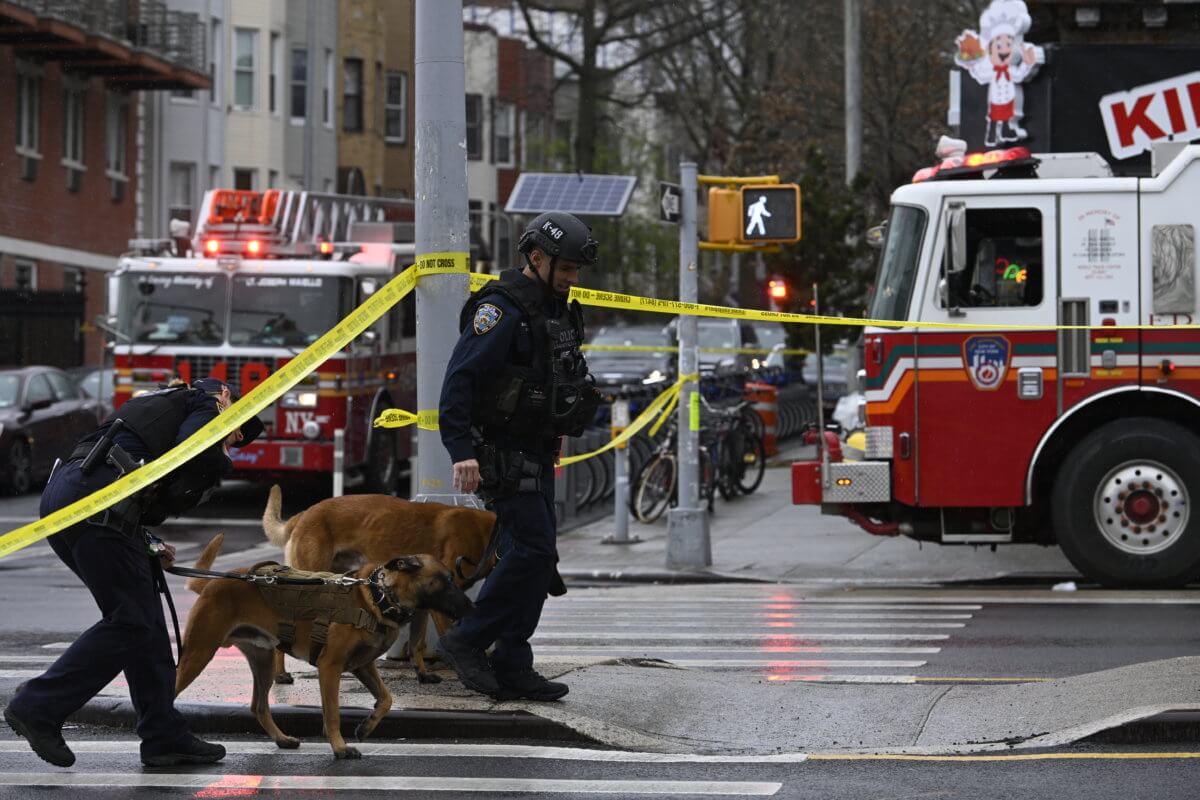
265 275
1065 407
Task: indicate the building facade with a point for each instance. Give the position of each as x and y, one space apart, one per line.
72 82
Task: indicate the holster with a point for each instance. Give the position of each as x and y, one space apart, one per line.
504 473
126 516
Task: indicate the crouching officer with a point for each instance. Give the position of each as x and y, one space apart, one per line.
516 382
116 559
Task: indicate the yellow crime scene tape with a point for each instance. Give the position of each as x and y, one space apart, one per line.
255 401
659 407
649 348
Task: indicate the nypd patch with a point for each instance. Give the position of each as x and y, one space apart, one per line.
486 318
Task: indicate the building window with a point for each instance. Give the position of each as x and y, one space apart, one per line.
272 179
503 125
246 42
26 275
73 104
352 76
327 91
395 108
273 81
501 238
474 127
182 177
117 128
29 108
216 49
245 178
299 83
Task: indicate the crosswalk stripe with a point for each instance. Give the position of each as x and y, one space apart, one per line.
20 673
417 750
554 649
748 637
396 783
767 602
813 662
575 624
783 678
593 618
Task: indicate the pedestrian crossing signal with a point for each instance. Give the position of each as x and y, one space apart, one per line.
770 213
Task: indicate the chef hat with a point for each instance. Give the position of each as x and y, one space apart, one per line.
1004 17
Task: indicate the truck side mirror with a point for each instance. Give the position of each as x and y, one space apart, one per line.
956 238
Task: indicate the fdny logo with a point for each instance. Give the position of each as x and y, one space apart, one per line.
986 358
486 317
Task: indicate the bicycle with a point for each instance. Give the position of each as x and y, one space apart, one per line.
738 451
655 487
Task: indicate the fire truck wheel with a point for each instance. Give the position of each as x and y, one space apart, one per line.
381 472
1122 504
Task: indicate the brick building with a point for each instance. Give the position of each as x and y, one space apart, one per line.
71 77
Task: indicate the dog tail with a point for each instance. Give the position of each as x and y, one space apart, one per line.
273 525
205 561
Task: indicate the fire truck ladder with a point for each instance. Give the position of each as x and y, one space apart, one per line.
292 223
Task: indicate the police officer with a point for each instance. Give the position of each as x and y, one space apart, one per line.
116 558
516 382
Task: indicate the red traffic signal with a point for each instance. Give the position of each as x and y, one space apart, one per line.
777 289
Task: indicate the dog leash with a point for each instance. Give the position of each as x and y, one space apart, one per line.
488 552
267 580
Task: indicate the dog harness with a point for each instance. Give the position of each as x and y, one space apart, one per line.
324 599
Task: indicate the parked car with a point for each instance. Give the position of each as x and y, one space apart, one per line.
97 383
618 368
722 338
42 414
836 377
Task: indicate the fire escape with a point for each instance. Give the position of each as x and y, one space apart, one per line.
132 44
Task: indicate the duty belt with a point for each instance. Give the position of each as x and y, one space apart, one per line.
124 517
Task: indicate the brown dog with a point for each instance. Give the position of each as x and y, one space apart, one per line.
234 613
343 533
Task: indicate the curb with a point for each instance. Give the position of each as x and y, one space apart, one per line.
227 718
1169 726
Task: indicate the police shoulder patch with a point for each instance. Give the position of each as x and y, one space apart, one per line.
486 317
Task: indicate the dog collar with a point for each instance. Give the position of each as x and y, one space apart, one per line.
388 606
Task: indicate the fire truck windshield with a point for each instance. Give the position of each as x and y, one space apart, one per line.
898 263
174 308
287 310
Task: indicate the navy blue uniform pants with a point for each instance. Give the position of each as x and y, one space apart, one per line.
131 636
510 602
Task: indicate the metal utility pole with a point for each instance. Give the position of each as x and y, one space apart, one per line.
688 545
853 35
441 225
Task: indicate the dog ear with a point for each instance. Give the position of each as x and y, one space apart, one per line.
405 564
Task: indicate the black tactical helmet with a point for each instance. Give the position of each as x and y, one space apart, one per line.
562 235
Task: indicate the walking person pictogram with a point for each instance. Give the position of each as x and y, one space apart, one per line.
758 210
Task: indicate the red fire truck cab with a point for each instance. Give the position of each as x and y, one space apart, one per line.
1006 429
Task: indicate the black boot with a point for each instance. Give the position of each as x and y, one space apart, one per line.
47 743
188 750
470 663
529 685
990 138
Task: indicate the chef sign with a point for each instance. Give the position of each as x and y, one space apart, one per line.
998 57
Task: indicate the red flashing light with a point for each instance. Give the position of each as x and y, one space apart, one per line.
325 248
973 162
212 246
254 247
778 290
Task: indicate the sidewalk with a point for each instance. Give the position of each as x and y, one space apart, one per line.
764 537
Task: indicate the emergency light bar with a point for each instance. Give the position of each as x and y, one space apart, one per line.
959 166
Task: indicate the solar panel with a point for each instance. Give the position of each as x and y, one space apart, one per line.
593 195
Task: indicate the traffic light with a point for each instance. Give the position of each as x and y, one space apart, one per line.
770 213
778 293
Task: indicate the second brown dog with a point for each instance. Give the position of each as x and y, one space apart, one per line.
341 534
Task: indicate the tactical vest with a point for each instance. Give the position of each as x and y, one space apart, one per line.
322 604
549 393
